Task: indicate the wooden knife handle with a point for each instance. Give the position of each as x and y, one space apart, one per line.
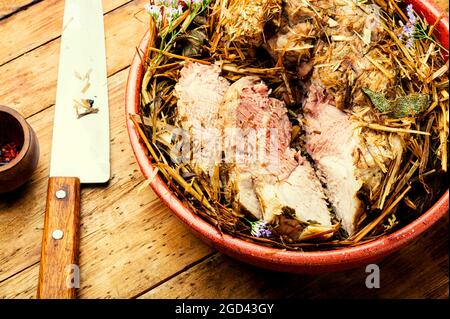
59 272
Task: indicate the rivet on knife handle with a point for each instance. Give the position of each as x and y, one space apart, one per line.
58 273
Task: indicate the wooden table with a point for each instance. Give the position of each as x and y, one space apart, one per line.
131 244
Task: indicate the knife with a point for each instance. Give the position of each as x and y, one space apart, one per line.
80 146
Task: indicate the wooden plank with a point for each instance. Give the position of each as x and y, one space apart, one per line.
28 29
37 71
443 4
417 271
9 7
21 286
131 252
129 240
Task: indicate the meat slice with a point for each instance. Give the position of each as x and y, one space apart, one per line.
278 179
252 134
348 158
331 141
200 90
258 130
301 191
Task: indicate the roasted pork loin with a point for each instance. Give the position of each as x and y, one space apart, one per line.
281 179
349 158
200 92
267 178
334 42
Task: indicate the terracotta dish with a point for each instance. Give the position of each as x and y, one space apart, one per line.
272 258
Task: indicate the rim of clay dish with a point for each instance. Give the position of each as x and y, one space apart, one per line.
26 137
277 258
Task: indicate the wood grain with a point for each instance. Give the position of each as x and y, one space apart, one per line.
9 7
20 286
443 4
418 271
37 71
59 256
129 240
39 24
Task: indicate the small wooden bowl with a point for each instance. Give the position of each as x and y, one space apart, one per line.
14 128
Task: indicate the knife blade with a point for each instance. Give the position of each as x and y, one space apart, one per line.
80 143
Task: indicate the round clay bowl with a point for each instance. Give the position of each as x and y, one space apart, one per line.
14 128
272 258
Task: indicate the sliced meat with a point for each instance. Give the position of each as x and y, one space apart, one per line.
331 141
200 90
300 191
257 127
348 158
281 179
252 132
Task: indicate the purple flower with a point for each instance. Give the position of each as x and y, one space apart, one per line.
410 43
170 9
409 28
260 229
173 13
154 11
411 16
